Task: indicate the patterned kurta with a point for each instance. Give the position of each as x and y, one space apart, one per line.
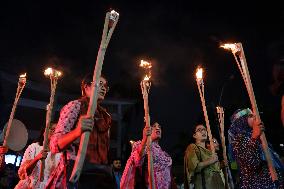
32 181
162 164
98 146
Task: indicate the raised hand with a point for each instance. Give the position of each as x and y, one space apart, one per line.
85 124
257 129
146 132
3 149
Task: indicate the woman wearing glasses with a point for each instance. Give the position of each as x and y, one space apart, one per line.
71 125
202 168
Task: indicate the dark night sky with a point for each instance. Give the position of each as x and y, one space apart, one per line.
175 35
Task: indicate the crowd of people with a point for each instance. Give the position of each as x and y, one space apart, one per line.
202 166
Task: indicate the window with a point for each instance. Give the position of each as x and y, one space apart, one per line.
10 158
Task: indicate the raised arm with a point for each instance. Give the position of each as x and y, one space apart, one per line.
84 124
30 159
65 132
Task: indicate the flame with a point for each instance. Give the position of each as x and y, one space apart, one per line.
231 46
48 71
23 75
53 72
199 73
146 78
145 64
59 73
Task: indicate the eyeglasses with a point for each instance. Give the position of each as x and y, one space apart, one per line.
102 84
200 130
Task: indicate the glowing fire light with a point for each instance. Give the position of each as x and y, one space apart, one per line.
199 73
145 64
23 75
231 46
22 79
146 78
48 71
52 72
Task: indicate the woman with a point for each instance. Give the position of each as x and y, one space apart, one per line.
202 168
244 138
29 171
73 122
135 174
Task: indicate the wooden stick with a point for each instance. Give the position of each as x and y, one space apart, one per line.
145 87
228 175
256 112
200 86
77 169
21 86
53 78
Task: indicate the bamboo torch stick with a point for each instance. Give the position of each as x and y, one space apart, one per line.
200 85
228 175
145 88
53 75
111 20
237 49
21 85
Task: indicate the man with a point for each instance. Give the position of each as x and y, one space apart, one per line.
116 166
71 125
